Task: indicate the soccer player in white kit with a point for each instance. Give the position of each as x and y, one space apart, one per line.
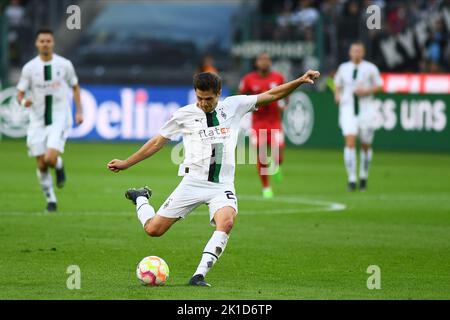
44 89
356 81
210 131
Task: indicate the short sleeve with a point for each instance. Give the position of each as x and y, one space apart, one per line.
71 77
338 77
171 129
24 81
243 103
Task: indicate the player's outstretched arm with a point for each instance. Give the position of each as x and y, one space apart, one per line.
286 89
147 150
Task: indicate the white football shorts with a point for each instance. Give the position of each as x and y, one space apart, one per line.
360 125
41 138
191 193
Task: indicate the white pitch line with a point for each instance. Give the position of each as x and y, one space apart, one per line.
320 205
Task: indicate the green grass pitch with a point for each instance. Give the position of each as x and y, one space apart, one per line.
298 246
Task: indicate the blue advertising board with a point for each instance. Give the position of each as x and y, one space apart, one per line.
128 113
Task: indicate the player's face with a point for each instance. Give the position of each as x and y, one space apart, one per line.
356 53
45 44
207 100
263 63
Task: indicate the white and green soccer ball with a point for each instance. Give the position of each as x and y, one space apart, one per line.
152 271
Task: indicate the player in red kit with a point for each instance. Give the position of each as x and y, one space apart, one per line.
267 130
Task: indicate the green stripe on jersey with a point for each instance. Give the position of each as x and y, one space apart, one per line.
355 97
48 119
211 119
48 72
214 118
216 152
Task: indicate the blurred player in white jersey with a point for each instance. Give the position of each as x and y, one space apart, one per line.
210 131
44 89
356 81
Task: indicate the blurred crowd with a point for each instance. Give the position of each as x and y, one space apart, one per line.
23 19
15 14
333 23
344 21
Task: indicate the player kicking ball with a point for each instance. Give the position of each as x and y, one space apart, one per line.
48 78
210 131
356 82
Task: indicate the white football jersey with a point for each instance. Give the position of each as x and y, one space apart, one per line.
48 84
350 76
209 138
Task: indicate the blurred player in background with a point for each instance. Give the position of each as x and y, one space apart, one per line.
47 78
207 65
356 81
267 129
210 131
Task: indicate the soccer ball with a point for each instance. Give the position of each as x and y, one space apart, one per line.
152 271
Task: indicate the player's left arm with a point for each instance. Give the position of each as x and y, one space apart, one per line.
72 81
286 89
283 103
77 98
22 87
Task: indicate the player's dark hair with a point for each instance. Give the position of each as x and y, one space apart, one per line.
43 31
206 81
358 43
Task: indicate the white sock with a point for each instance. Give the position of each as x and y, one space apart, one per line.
350 163
46 182
213 250
365 159
144 210
59 163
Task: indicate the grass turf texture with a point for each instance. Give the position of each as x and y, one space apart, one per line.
279 249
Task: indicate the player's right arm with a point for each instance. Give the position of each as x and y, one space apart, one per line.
169 131
146 151
22 101
22 87
338 86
